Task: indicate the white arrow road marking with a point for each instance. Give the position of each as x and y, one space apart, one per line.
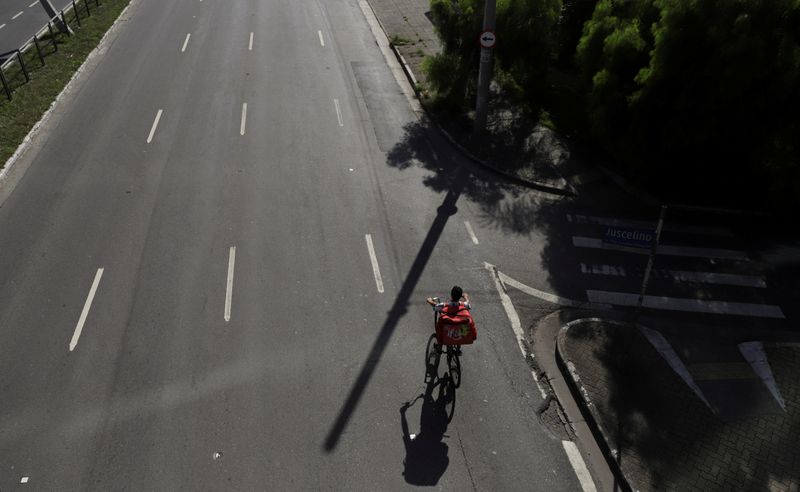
185 42
86 307
155 125
374 259
576 460
229 284
244 119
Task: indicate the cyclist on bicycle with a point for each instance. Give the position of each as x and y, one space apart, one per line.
458 298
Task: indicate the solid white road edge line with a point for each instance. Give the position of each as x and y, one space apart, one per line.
374 259
155 125
20 13
471 232
86 307
513 317
185 42
229 284
576 460
250 44
244 119
338 112
321 41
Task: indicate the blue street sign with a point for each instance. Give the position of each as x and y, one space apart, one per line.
629 238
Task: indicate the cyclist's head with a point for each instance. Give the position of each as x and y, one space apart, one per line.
456 293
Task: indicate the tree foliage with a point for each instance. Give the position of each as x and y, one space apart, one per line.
707 87
524 28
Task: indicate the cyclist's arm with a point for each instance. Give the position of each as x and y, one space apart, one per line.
430 301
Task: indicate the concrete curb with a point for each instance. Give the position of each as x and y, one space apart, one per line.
588 410
566 190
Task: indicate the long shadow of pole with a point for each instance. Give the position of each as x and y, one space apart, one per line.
399 308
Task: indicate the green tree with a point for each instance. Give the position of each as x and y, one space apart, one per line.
524 29
706 89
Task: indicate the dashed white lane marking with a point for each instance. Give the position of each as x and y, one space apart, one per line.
24 480
250 43
2 26
244 119
669 250
33 4
576 460
471 232
20 13
687 305
338 112
644 224
185 42
321 41
229 284
155 125
374 259
86 307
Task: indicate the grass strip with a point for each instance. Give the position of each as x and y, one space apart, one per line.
32 99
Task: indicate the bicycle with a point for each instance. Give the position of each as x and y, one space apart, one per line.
434 350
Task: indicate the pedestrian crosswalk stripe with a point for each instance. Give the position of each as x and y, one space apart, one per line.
682 276
687 305
644 224
669 250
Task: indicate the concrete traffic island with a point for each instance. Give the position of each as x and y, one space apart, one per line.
659 433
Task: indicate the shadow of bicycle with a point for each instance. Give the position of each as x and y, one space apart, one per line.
426 452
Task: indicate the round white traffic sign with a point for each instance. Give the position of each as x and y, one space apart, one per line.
487 39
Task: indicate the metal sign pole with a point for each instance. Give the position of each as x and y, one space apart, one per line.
484 73
650 261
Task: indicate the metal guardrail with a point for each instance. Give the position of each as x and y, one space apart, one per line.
47 34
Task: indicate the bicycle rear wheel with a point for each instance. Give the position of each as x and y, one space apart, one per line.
454 366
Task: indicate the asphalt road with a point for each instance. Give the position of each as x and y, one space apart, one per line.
20 19
190 298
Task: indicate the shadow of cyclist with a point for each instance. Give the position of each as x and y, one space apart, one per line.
426 453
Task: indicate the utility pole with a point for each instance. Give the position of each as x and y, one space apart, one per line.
487 41
648 269
51 13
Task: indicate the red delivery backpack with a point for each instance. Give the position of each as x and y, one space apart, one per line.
456 326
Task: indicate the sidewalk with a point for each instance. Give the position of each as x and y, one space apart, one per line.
531 155
660 432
